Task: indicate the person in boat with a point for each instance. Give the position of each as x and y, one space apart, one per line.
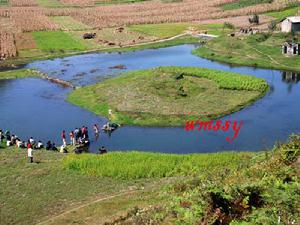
102 150
110 126
106 127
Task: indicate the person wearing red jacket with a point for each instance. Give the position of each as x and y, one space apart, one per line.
30 152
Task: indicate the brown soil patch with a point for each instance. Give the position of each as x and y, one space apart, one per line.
25 41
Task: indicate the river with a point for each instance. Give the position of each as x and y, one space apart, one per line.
36 107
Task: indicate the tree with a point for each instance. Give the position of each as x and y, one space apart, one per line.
254 19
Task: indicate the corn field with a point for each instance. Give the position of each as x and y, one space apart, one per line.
25 16
7 46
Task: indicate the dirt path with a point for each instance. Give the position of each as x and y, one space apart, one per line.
156 184
51 219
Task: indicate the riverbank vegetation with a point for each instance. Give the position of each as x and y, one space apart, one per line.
130 187
259 50
35 192
264 190
19 73
168 96
137 165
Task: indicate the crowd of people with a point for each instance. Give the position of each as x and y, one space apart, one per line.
79 138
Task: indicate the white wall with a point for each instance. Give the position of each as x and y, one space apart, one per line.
286 26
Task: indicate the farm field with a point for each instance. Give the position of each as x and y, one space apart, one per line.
56 40
43 15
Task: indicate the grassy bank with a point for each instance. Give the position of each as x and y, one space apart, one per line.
261 50
263 190
34 192
20 73
129 187
31 55
157 97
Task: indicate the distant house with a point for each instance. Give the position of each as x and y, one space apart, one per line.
291 48
291 24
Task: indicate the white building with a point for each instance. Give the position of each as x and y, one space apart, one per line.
291 48
291 24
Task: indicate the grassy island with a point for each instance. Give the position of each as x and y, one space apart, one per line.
167 96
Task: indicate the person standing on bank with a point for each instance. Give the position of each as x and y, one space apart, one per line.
63 137
72 138
29 152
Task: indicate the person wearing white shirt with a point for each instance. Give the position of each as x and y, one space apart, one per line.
30 154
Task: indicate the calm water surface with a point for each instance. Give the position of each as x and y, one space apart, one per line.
35 107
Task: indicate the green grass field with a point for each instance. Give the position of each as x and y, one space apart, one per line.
49 3
155 97
243 3
261 50
3 3
68 23
57 41
137 165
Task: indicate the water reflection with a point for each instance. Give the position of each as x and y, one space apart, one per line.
290 78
